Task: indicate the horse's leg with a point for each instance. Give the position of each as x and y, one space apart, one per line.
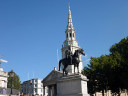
78 67
74 68
66 72
63 71
59 65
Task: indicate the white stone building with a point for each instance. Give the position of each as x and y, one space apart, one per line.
32 87
3 81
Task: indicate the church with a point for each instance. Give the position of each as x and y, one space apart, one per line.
74 83
71 43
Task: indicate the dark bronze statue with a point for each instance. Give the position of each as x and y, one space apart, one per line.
69 54
71 59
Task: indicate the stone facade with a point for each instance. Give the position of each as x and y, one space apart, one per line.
50 83
3 81
32 87
72 85
55 84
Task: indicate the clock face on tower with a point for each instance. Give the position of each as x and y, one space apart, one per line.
75 43
66 43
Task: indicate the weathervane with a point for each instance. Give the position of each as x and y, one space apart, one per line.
1 60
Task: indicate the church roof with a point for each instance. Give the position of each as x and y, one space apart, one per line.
52 77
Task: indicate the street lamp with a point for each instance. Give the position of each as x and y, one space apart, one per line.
11 74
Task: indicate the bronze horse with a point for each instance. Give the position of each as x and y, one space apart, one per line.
75 61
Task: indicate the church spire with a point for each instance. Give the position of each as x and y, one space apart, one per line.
70 42
70 25
70 31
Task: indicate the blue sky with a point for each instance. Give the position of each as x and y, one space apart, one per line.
31 31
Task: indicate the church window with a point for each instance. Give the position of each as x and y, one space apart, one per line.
67 35
70 35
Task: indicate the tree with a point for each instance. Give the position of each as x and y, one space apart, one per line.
91 74
122 49
109 71
15 81
97 73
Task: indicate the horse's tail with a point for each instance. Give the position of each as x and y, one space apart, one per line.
60 64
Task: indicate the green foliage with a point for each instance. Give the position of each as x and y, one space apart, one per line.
15 81
109 71
122 49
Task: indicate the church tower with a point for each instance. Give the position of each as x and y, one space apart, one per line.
71 42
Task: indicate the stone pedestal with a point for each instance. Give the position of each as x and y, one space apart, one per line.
72 85
55 84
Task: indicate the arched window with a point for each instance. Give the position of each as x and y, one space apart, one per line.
70 35
73 35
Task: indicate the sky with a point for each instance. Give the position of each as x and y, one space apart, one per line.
31 31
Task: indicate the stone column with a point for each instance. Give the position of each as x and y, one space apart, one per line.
49 90
52 89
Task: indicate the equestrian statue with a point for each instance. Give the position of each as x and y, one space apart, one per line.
71 59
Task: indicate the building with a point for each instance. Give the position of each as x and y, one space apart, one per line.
32 87
3 81
57 84
72 43
53 82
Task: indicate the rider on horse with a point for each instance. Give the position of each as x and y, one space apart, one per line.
69 54
71 59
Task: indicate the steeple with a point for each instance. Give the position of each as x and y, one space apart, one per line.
70 25
70 31
70 42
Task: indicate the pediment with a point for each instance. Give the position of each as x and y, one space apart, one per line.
51 78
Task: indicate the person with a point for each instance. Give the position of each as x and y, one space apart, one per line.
68 54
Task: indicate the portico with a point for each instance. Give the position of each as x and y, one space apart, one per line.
50 83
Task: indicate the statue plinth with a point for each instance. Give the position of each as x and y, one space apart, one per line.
72 85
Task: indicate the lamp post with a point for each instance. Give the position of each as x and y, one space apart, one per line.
11 74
